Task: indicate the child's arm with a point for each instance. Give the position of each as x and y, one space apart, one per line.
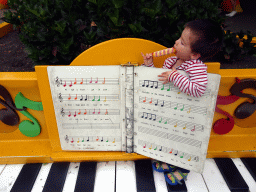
194 85
148 60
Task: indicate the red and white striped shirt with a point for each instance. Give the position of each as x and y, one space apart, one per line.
195 84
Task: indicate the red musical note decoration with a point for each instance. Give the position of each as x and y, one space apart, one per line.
223 126
103 81
97 80
65 84
91 80
75 81
69 97
76 97
144 100
69 114
82 81
85 112
75 114
70 84
79 112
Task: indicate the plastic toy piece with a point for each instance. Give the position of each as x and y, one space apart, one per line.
28 128
164 52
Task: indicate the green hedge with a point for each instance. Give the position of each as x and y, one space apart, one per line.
57 31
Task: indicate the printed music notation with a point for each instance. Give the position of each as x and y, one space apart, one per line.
172 137
81 97
173 105
91 126
69 82
81 112
176 123
164 87
171 151
85 139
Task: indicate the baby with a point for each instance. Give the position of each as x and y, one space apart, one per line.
200 40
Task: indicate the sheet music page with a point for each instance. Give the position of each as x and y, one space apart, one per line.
87 104
171 126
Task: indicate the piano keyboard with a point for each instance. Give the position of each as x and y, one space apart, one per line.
220 175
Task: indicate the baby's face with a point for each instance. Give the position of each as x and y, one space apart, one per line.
183 45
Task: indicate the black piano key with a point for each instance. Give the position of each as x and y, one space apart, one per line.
250 164
86 177
144 176
178 187
26 179
231 175
56 177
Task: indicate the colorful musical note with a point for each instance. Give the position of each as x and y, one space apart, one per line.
106 113
96 80
176 107
69 114
179 92
93 99
165 122
114 140
75 81
150 101
193 129
99 111
182 108
107 140
189 110
182 155
78 140
69 97
189 158
155 148
105 99
171 151
91 80
103 81
93 112
76 97
160 120
65 84
75 114
185 126
70 84
82 81
175 125
162 87
83 140
85 112
72 141
144 146
79 112
88 139
144 100
99 98
169 88
97 138
150 147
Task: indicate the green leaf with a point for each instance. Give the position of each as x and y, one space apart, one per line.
118 3
93 1
34 12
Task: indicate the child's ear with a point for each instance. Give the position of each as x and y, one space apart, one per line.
195 55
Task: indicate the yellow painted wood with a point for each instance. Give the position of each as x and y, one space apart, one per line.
5 28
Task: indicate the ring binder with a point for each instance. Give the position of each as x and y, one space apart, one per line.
124 111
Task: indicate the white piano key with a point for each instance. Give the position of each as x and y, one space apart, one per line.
160 182
213 178
9 176
125 176
70 181
245 174
195 182
41 177
105 177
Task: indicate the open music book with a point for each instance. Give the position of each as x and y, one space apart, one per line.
126 108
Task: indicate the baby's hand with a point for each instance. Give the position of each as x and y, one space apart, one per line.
164 76
148 58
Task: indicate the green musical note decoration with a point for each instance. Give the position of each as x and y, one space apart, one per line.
28 128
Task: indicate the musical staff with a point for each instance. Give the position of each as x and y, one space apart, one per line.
91 126
172 137
90 139
165 87
176 123
77 112
91 97
173 105
171 151
85 81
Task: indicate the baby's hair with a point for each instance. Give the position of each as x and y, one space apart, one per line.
209 37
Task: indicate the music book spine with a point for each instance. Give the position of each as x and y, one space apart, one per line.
129 108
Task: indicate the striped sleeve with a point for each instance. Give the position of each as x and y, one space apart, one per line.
169 62
194 85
